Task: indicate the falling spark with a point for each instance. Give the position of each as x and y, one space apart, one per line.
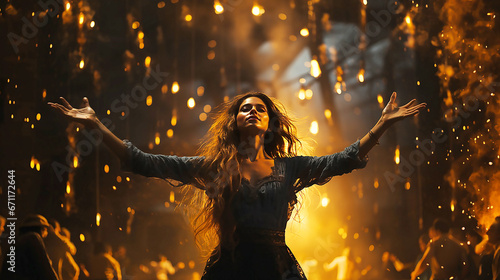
219 9
135 25
396 155
361 75
338 88
170 133
314 127
380 101
149 100
200 91
82 64
68 188
315 70
328 114
309 94
92 24
157 138
81 18
325 201
191 103
304 32
188 17
68 6
172 197
75 161
257 10
302 93
98 219
173 121
82 237
32 162
106 168
175 87
147 61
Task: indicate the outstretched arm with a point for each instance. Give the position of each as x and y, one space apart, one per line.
86 116
390 115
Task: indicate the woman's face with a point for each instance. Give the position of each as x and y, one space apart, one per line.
252 115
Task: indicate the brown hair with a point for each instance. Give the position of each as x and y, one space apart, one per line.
219 173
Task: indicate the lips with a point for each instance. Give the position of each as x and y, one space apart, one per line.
253 118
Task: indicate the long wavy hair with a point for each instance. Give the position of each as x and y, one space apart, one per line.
219 173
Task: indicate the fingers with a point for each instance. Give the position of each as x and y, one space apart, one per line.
86 102
393 97
65 103
409 104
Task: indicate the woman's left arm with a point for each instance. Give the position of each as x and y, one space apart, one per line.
390 115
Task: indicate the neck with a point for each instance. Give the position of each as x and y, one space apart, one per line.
252 147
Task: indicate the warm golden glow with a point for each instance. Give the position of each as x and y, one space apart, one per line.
365 2
135 25
219 9
304 32
173 121
98 219
44 93
207 108
68 6
172 197
147 61
75 161
282 16
92 24
68 188
188 17
149 100
315 70
164 89
38 116
140 35
161 4
106 168
191 103
407 185
175 87
37 166
314 127
396 155
82 237
82 64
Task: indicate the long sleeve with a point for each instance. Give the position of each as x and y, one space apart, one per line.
319 170
181 169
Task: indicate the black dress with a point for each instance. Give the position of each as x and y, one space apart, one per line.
261 211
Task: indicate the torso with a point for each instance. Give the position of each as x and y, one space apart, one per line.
257 170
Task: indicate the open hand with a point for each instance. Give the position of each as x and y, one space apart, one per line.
393 113
84 115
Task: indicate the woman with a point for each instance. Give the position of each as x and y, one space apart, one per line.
250 173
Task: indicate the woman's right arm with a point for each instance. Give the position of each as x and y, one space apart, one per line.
86 116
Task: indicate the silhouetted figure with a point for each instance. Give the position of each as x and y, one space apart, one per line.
31 259
102 265
447 259
344 265
61 250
